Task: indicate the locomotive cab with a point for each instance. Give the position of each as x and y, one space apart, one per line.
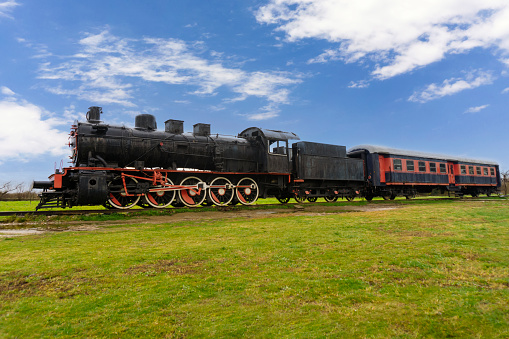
275 156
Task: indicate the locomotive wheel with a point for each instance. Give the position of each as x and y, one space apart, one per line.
312 199
192 196
300 198
118 197
247 191
331 198
284 199
160 199
221 191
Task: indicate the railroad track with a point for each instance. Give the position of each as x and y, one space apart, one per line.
219 208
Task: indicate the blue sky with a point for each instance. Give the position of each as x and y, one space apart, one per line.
430 76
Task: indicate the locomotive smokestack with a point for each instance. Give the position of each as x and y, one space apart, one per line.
145 121
94 114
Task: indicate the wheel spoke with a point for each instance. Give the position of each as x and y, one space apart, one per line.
119 197
221 191
192 192
247 191
299 198
283 198
331 198
160 198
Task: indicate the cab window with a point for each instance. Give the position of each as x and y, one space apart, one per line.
398 166
492 171
277 147
410 165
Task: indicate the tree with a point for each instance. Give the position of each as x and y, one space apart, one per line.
9 191
505 181
5 189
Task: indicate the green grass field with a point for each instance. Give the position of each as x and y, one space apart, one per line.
429 269
30 205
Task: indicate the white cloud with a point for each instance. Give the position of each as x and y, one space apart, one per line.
398 35
359 84
263 116
505 61
7 91
476 109
505 90
27 130
451 86
6 8
105 66
268 112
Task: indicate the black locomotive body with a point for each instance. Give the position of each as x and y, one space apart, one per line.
121 167
97 144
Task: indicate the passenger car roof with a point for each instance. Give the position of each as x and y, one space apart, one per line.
395 151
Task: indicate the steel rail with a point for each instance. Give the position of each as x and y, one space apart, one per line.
220 208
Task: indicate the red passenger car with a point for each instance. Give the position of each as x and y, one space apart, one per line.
391 172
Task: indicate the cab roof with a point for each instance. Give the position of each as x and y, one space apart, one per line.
269 134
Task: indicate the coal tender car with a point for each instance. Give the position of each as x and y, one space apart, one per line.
121 167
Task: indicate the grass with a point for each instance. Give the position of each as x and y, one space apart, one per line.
7 206
432 269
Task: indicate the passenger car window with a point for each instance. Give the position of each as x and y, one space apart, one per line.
463 169
397 165
485 170
478 170
471 170
432 167
443 169
492 171
422 166
410 165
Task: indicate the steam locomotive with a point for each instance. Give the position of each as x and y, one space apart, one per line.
121 167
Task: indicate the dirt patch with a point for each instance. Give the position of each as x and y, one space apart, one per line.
19 232
225 214
15 284
296 210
